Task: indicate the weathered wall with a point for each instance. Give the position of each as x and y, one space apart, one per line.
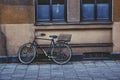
22 11
16 11
73 10
116 37
116 26
16 35
116 10
17 19
84 36
13 13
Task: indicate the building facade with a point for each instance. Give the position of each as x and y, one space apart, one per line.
94 24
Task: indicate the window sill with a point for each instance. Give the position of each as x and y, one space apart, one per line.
74 25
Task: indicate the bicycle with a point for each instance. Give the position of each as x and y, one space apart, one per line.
59 51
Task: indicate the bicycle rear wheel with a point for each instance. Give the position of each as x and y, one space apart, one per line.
61 53
27 53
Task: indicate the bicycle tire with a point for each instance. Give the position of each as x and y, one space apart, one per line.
61 53
27 53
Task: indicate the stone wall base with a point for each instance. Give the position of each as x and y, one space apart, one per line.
75 57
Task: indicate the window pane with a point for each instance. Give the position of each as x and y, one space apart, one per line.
88 11
88 1
102 1
57 1
43 2
58 11
102 11
43 12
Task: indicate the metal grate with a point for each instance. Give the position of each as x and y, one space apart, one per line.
96 56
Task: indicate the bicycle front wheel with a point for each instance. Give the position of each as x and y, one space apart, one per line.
61 53
27 53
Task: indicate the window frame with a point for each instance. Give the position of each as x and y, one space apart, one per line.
51 20
95 12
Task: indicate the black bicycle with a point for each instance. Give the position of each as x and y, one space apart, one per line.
59 51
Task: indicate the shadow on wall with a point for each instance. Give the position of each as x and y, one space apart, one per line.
14 15
3 50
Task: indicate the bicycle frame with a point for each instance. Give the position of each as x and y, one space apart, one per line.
50 47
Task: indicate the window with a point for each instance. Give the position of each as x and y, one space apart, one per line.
50 10
96 10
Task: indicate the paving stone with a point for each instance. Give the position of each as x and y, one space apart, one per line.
100 79
71 79
68 67
93 70
56 67
70 75
113 78
11 66
100 64
57 75
109 75
18 75
19 66
44 78
45 66
57 79
8 71
45 73
2 67
82 74
16 78
33 67
96 75
5 76
78 65
85 78
19 72
90 64
79 70
30 79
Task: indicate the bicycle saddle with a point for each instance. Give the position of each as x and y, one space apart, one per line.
53 36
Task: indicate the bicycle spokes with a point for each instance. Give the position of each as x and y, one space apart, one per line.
27 53
62 53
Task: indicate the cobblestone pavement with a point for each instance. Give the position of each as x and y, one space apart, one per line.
79 70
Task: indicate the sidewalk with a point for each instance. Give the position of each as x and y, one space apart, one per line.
80 70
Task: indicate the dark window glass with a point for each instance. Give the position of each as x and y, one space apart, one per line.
102 11
50 10
87 1
43 9
43 2
57 1
58 9
102 1
95 9
88 12
43 12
